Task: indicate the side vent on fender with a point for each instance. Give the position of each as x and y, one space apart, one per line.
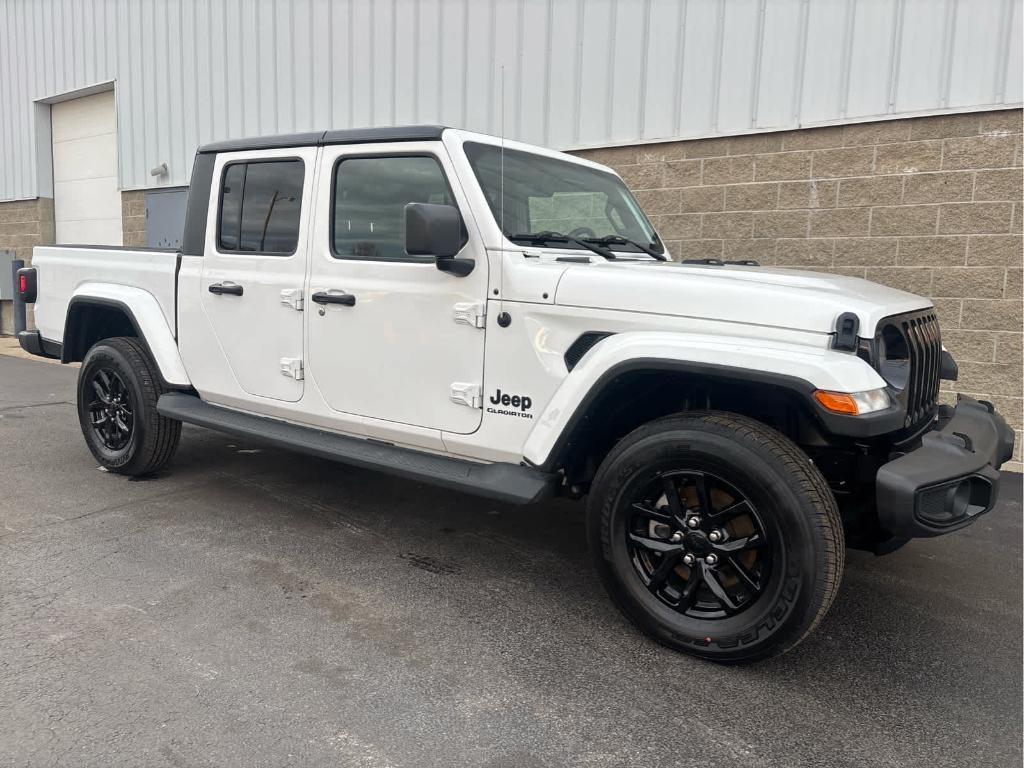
582 345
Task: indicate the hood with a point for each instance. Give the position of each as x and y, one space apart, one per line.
784 298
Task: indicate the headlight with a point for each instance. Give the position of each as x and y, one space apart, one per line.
853 403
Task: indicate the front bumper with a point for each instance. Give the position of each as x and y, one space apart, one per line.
951 479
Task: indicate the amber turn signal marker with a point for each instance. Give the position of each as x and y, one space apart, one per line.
837 402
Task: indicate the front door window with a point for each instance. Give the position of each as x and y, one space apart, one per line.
370 195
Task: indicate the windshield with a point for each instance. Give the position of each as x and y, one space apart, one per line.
554 202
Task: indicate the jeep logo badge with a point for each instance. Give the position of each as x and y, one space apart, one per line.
511 405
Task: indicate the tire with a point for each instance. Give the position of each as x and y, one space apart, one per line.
779 554
118 387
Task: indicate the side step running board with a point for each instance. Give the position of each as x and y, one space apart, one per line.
504 482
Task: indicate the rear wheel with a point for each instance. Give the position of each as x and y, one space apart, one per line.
118 387
716 536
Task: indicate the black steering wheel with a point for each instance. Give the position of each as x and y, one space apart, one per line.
581 232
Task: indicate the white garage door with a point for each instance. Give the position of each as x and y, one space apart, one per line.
86 200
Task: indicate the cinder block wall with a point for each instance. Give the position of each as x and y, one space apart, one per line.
23 224
133 217
930 205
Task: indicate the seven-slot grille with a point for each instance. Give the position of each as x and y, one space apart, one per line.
924 350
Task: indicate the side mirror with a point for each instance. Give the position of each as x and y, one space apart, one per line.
436 230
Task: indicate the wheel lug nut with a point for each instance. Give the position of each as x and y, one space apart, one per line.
676 537
715 536
693 522
689 559
711 559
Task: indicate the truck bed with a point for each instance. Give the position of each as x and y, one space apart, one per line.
64 269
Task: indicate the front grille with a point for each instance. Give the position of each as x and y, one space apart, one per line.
920 331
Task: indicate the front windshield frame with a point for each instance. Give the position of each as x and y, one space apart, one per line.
578 180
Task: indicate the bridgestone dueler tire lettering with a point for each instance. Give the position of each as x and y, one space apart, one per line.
154 437
789 493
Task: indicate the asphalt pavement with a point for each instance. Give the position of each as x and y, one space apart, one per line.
251 607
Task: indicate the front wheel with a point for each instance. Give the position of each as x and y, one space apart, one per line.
118 387
716 535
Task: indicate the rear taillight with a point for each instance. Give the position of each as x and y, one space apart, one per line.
27 284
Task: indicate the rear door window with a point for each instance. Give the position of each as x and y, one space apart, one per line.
260 206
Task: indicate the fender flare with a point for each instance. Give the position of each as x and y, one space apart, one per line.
798 368
147 318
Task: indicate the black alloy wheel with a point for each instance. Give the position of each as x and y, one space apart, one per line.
111 412
118 389
699 545
716 535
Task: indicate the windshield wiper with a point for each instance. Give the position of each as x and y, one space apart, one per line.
539 238
619 240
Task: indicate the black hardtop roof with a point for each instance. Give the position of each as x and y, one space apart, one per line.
321 138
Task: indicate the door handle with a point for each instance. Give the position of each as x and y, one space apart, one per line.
231 289
323 297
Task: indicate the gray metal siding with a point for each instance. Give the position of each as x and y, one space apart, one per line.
574 73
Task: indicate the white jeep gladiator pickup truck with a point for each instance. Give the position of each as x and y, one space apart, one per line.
503 320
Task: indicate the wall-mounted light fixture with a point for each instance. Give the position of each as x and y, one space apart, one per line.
160 170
